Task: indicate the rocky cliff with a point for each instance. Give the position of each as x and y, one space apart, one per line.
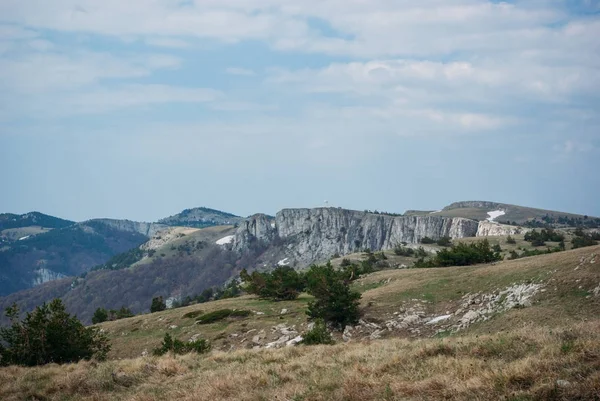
490 228
147 229
314 235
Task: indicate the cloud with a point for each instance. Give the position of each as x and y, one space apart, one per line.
38 72
240 71
169 43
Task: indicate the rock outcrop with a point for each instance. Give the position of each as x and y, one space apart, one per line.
315 235
147 229
490 228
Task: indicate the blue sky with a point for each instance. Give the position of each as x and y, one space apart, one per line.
140 109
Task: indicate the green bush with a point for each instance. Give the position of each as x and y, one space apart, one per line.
403 251
318 334
49 335
427 240
283 283
178 347
444 241
510 240
462 254
546 234
334 301
193 314
100 315
158 304
221 314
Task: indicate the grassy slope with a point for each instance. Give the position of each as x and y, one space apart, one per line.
384 293
516 213
517 355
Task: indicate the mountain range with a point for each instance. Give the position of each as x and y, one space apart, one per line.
112 263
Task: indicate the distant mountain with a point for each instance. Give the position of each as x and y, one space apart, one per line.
174 263
512 214
201 217
9 220
67 251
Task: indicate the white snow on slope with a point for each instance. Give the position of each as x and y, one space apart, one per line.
283 262
439 319
24 238
225 240
495 214
435 211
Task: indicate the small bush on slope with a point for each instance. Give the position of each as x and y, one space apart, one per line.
462 254
318 334
178 347
283 283
221 314
49 335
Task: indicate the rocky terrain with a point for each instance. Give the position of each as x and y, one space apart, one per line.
308 236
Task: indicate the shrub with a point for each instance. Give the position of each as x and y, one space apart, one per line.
583 241
100 315
462 254
345 263
334 301
318 334
49 335
510 240
427 240
178 347
221 314
546 234
421 252
444 241
403 251
158 304
193 314
283 283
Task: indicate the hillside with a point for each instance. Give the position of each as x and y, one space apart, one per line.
183 266
67 251
201 217
518 215
523 329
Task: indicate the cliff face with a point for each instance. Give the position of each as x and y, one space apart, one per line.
147 229
315 235
489 228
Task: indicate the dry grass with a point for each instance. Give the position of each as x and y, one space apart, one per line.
517 355
524 364
384 293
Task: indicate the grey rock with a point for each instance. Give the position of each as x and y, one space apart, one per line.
318 234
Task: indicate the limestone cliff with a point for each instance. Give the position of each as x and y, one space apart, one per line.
490 228
147 229
315 235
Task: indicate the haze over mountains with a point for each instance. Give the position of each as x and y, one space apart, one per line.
111 263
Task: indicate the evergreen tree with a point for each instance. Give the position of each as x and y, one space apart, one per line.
334 302
49 335
158 304
101 315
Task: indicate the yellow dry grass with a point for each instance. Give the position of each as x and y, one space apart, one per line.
531 363
549 351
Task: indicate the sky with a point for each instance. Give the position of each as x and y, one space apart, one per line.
138 109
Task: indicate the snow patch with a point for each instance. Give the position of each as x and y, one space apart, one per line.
435 211
272 225
283 262
495 214
24 238
225 240
439 319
